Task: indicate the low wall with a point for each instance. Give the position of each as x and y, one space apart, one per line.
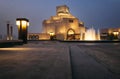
9 43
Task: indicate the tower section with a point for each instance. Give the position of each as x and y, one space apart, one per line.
62 10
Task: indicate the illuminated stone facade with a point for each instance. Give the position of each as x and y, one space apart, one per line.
63 26
110 34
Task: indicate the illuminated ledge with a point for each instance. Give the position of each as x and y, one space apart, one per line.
89 41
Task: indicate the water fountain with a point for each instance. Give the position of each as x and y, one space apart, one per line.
91 35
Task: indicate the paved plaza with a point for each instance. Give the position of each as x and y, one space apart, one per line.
60 60
85 66
46 60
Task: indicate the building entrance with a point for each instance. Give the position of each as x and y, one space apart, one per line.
70 34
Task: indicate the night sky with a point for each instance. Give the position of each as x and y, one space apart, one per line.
94 13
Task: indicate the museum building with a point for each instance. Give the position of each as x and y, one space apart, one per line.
62 26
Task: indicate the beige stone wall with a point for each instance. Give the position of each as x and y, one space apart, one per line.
48 27
60 36
44 36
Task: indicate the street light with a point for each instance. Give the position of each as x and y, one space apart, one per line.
22 24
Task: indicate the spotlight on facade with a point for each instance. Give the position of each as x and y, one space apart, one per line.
51 35
22 24
116 33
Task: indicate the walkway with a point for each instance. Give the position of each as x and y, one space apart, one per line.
85 67
35 60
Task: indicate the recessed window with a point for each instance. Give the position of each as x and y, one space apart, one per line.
71 21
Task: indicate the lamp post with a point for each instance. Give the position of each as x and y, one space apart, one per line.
11 33
8 30
22 24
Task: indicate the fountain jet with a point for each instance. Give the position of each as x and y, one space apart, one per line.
90 34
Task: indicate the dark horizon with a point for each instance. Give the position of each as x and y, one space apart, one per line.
94 13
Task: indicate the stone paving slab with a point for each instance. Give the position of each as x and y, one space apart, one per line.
85 67
35 62
108 55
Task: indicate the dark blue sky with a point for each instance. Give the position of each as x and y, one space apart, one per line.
96 13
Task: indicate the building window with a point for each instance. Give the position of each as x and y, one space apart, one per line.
70 21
